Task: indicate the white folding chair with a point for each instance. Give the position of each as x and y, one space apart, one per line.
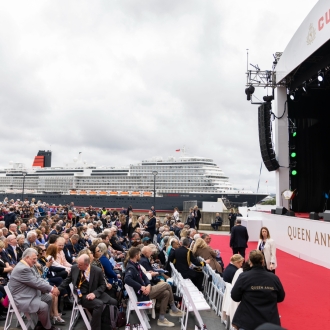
76 309
141 311
12 309
192 301
226 305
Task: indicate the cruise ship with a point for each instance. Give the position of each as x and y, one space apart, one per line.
175 180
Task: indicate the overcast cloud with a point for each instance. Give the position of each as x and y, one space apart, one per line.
122 81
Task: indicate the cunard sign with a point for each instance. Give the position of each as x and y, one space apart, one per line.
321 23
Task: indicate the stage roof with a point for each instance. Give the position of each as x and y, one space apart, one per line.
310 36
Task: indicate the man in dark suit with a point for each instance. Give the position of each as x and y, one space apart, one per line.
239 238
10 217
11 249
72 245
56 231
182 258
151 225
89 285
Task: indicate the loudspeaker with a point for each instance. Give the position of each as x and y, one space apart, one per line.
290 214
265 137
326 215
273 211
314 216
281 210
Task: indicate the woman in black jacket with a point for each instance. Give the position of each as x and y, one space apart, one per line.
259 292
236 262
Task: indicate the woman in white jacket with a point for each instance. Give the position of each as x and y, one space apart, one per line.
267 246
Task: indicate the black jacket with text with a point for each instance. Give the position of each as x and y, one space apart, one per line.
259 291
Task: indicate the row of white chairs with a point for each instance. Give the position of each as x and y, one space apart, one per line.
217 293
192 299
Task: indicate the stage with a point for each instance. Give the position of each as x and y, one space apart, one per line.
299 236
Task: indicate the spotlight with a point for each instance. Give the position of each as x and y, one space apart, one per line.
294 172
249 91
268 98
320 76
304 87
292 96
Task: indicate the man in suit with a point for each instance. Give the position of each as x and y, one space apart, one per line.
72 245
12 229
30 241
180 259
10 217
57 230
151 225
11 249
22 230
89 285
30 292
239 238
135 278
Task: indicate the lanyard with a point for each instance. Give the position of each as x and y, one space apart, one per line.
82 279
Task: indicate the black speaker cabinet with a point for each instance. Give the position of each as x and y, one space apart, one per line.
326 215
314 216
281 210
265 137
290 214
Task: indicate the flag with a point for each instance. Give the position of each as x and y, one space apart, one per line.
177 150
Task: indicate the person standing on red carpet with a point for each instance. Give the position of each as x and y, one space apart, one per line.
239 238
267 246
259 292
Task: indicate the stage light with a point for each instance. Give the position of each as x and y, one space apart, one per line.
249 91
292 96
294 134
294 172
293 154
268 98
320 76
304 88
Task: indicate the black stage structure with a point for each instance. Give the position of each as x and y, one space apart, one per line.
309 136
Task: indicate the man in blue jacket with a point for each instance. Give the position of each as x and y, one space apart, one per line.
135 278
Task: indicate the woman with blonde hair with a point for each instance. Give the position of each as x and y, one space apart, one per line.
201 249
184 233
132 226
236 262
267 246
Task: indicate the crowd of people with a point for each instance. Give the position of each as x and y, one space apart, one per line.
44 248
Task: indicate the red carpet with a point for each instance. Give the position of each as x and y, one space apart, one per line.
307 288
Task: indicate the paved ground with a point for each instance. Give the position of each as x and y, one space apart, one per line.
212 321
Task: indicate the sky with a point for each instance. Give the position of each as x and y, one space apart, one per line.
123 81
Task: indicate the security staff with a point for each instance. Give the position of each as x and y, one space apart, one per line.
259 292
